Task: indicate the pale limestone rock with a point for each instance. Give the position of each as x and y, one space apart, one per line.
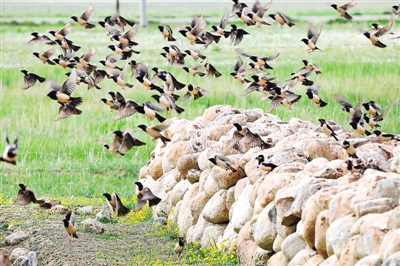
18 252
302 257
272 183
277 243
198 203
395 164
264 229
244 233
371 260
15 238
258 113
143 171
85 210
29 260
227 236
174 213
317 259
323 197
168 183
292 245
179 191
348 254
340 205
185 218
211 113
166 165
163 208
247 157
308 219
243 211
284 230
193 176
239 187
393 260
316 149
198 229
203 161
390 244
292 167
187 162
283 203
316 165
328 173
388 188
338 234
278 259
210 186
155 169
257 208
394 221
254 191
261 256
215 132
190 234
374 206
375 159
396 151
380 221
212 233
321 226
331 261
230 196
215 211
245 250
59 209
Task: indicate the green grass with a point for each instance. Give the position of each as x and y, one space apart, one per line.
62 158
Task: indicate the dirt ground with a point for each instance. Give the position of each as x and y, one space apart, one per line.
120 244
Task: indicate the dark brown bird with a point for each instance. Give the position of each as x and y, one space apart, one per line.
69 222
115 145
253 139
85 17
235 35
24 196
343 9
179 246
144 196
283 97
66 110
115 204
211 71
30 79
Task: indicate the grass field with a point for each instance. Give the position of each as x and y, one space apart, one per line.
62 158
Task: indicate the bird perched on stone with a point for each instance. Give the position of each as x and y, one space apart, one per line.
179 246
24 196
69 224
222 161
327 130
11 151
144 196
85 17
115 204
263 165
343 9
312 94
312 38
357 167
383 137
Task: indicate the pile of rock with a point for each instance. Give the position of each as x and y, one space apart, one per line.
309 210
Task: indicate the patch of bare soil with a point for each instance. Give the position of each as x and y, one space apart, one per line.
120 244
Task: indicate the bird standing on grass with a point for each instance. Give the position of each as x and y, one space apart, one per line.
69 222
24 196
179 246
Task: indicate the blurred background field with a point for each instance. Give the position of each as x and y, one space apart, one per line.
63 159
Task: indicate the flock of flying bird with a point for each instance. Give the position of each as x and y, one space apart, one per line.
83 71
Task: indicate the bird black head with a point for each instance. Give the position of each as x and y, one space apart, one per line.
22 186
102 62
367 34
395 8
66 223
156 97
238 126
74 18
181 243
166 48
345 144
309 94
213 160
183 32
190 87
143 127
112 47
322 121
36 54
377 132
24 71
140 186
250 15
260 158
304 40
375 25
334 6
36 33
104 100
305 62
119 133
214 27
239 13
102 23
52 95
108 196
115 37
272 16
186 69
366 105
161 28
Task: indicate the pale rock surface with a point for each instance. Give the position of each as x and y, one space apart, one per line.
15 238
215 210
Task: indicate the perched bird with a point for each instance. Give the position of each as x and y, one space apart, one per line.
351 148
11 151
235 35
30 79
253 139
346 106
196 31
144 196
40 38
383 137
222 161
85 17
343 9
357 123
263 165
194 91
312 94
167 32
69 222
312 38
62 93
220 28
115 204
179 246
357 167
327 130
281 19
45 57
24 196
155 131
